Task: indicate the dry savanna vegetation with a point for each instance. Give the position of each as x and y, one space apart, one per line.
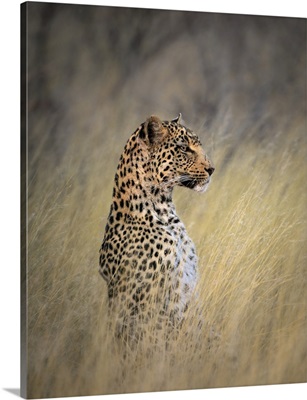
239 83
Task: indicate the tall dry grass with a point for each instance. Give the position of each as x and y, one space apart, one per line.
244 95
250 233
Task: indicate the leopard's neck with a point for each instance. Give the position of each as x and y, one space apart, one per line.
137 193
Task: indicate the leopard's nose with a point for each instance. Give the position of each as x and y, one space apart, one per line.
210 170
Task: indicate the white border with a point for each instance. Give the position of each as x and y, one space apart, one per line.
9 290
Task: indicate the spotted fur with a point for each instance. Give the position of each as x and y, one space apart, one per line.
147 258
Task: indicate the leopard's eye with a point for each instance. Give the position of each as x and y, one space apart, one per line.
184 148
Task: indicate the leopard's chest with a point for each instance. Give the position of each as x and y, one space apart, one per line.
184 259
151 262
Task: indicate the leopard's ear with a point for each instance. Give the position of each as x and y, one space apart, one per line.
177 119
153 131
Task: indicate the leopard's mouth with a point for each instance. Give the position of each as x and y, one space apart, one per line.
199 184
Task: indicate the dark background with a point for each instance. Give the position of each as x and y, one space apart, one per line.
106 69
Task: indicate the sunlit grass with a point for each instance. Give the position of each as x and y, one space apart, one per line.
250 234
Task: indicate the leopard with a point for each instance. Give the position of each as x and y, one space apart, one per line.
147 259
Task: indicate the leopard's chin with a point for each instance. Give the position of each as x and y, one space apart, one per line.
201 188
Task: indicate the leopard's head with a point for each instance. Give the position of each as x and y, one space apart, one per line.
176 154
